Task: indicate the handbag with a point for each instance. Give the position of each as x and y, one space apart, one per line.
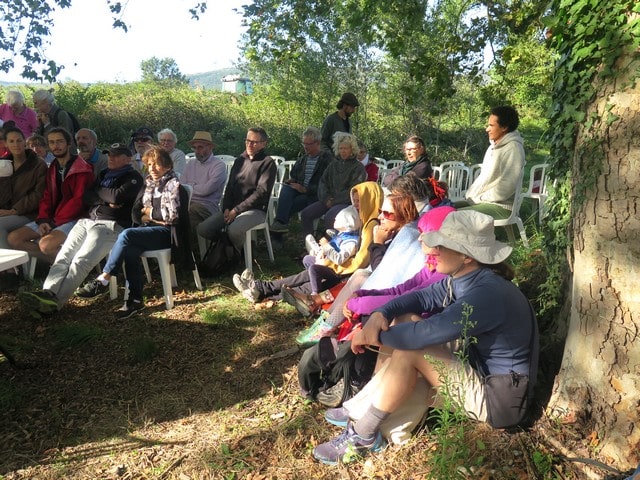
508 396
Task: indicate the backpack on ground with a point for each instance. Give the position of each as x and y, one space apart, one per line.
220 257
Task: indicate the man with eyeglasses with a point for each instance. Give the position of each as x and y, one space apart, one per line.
167 140
110 201
301 188
141 141
246 196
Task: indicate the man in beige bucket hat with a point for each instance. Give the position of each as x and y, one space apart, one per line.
207 176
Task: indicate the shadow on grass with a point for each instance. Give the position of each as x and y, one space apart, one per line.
83 376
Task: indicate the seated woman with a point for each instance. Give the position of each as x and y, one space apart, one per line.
336 183
157 211
317 373
417 162
403 249
367 198
496 315
22 183
396 212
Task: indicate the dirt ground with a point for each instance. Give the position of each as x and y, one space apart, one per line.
205 390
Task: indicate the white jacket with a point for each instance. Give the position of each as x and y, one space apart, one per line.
501 171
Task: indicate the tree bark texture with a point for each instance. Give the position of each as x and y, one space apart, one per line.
599 381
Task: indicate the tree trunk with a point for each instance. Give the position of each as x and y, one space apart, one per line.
599 381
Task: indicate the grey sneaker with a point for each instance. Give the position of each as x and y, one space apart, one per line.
243 281
347 447
91 289
278 227
252 293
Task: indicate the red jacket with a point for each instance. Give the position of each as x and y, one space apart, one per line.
65 205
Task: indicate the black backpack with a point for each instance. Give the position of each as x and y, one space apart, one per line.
72 117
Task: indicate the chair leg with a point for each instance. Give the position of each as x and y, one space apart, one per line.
147 272
248 263
523 234
269 245
165 274
113 287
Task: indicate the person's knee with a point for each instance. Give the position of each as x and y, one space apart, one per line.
19 236
49 245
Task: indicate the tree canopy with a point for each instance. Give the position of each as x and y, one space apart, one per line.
162 70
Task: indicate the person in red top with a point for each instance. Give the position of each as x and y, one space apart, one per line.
369 164
61 205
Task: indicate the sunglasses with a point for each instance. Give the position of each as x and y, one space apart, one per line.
142 139
387 215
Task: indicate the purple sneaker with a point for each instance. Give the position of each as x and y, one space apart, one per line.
347 447
337 416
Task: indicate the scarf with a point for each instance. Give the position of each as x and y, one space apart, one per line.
168 188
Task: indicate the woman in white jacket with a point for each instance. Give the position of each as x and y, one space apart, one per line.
502 167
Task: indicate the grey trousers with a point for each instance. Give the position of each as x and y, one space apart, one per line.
88 242
211 227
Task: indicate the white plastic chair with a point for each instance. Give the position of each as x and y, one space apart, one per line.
456 176
537 189
282 174
381 162
394 163
278 159
248 260
514 218
167 269
437 171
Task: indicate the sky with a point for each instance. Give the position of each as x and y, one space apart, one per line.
84 40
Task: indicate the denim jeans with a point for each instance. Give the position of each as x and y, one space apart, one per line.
128 248
291 202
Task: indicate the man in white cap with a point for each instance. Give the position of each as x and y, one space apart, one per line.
476 302
207 176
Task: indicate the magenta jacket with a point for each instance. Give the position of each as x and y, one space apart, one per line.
366 301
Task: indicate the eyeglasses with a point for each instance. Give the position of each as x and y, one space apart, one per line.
308 144
253 142
387 215
141 139
411 149
166 140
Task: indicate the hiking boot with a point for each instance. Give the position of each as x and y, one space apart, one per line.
91 289
41 302
278 227
310 336
130 308
337 416
347 447
303 303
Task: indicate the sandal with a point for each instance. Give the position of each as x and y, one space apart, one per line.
304 303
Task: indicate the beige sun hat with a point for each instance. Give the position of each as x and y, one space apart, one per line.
201 136
471 233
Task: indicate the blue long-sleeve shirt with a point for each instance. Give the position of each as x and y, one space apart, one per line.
502 320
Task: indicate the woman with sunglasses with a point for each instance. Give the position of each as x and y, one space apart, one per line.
396 211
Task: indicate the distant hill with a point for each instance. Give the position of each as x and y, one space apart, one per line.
212 79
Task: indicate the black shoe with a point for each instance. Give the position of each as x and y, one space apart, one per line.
91 289
130 309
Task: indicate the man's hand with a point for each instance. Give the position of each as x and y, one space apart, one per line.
44 229
229 216
298 187
370 333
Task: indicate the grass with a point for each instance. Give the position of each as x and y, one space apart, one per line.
207 390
